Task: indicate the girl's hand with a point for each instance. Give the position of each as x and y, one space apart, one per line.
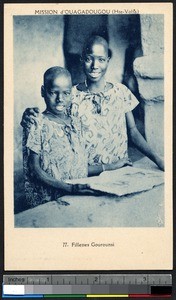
83 189
29 116
119 164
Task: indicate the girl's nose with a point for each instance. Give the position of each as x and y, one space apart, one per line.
94 64
59 97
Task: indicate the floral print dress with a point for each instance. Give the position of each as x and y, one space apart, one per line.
62 156
104 123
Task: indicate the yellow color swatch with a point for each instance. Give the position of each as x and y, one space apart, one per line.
108 296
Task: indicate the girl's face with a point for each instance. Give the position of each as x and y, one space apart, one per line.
57 95
96 62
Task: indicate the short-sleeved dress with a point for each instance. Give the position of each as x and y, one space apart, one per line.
62 156
104 123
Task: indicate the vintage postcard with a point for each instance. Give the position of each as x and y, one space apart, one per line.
88 136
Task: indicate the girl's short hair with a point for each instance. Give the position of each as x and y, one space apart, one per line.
93 40
53 72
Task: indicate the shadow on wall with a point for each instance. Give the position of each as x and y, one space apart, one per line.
44 41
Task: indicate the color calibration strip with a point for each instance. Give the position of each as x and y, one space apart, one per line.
87 286
86 296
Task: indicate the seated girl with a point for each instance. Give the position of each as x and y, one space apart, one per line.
53 147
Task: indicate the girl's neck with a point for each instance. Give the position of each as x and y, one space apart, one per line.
95 86
57 117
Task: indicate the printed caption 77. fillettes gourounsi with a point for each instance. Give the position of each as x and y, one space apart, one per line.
85 245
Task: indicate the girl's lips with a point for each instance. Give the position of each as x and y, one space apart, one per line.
60 107
94 74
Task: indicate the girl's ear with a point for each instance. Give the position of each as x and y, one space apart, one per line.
109 53
81 59
42 91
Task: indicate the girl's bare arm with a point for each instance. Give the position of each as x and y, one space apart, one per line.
97 169
78 189
141 143
44 177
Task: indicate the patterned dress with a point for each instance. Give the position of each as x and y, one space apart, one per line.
62 156
103 121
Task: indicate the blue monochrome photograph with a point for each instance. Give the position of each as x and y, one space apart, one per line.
88 120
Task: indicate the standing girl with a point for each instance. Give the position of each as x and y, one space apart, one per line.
105 110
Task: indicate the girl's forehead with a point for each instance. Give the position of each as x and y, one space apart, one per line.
98 49
62 81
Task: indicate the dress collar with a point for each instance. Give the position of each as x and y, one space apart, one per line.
83 87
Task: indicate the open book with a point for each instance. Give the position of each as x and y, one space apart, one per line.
123 181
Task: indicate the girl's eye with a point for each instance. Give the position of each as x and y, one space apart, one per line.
52 93
66 93
87 59
101 59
